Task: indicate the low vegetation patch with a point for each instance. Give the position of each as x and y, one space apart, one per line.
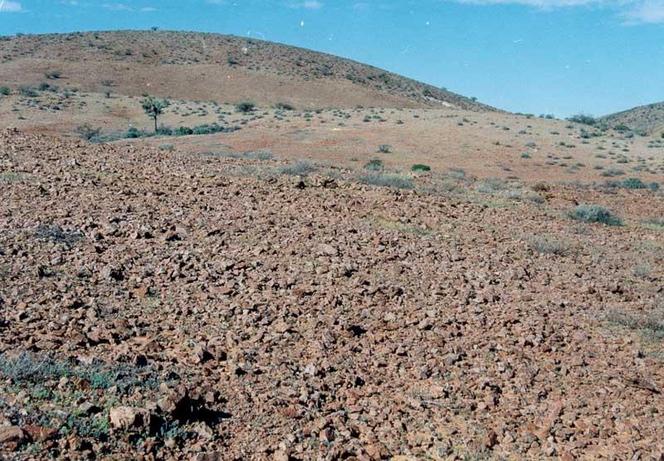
419 167
595 214
57 234
5 91
395 181
649 324
299 168
655 223
284 106
583 119
374 165
546 244
88 133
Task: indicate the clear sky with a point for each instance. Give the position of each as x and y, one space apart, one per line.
535 56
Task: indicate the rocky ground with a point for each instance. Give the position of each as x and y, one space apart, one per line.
165 305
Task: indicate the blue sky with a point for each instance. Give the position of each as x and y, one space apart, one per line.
536 56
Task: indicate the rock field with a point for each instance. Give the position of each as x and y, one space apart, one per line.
156 305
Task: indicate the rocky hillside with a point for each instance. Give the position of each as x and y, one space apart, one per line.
197 66
646 119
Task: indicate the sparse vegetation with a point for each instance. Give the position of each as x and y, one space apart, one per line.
595 214
384 149
5 91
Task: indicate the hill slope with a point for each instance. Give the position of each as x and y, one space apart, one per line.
211 67
648 119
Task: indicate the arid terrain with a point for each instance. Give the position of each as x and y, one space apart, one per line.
303 265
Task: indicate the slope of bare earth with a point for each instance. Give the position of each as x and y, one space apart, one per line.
648 119
211 67
173 305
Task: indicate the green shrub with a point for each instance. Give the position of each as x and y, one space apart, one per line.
4 91
388 180
595 214
245 107
633 183
420 167
374 165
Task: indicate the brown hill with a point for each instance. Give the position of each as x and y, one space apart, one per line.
647 119
199 66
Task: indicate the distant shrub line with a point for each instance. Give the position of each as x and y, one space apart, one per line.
94 134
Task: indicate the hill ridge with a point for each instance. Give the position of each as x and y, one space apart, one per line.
263 63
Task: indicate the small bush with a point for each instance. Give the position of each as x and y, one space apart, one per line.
28 92
420 167
384 149
611 172
583 119
633 183
595 214
548 245
4 91
374 165
167 147
284 106
300 168
134 133
164 131
56 234
388 180
183 131
53 74
88 133
245 107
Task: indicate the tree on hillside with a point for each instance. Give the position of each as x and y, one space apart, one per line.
154 107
